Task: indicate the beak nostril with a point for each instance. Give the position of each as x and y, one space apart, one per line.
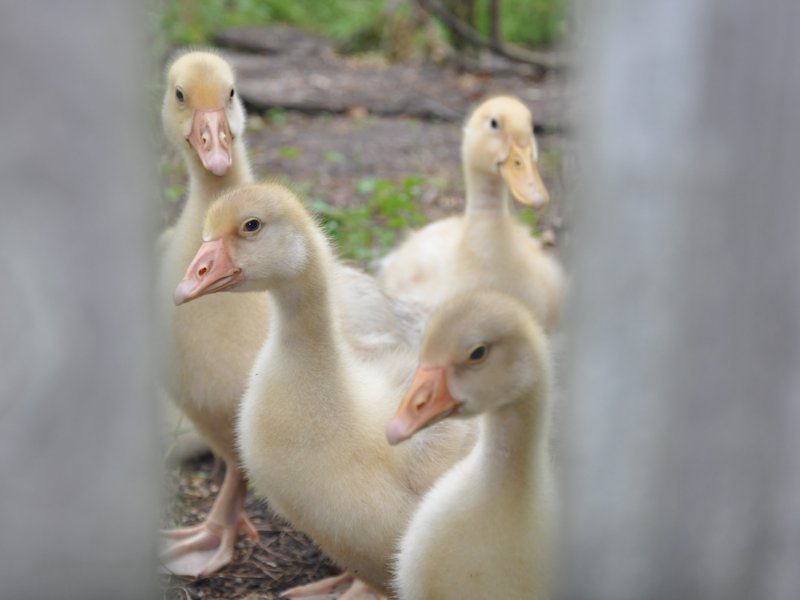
202 271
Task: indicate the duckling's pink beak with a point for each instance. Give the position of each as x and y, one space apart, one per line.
427 402
211 138
211 271
522 176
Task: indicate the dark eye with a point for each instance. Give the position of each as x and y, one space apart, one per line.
231 95
251 225
478 353
179 95
494 124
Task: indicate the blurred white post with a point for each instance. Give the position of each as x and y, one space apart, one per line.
681 426
77 444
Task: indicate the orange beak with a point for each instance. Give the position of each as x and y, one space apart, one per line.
522 177
211 271
427 402
211 138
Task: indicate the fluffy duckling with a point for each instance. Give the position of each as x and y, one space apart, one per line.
311 426
487 246
483 531
212 343
215 340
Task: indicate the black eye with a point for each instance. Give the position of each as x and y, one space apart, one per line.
179 95
494 124
231 95
478 353
251 225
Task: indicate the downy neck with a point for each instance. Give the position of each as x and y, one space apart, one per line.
204 186
514 438
487 194
304 320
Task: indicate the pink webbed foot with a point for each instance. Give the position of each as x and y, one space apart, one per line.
324 588
343 587
361 591
206 548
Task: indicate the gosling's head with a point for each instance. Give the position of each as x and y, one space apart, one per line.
480 351
499 142
255 237
202 110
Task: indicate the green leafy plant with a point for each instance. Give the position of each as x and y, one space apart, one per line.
289 152
276 116
183 22
174 192
334 157
529 22
531 218
368 229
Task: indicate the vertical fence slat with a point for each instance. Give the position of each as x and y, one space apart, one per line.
77 450
680 425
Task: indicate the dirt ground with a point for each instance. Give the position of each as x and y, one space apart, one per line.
282 558
323 156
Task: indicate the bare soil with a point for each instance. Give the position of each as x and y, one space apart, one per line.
282 558
325 156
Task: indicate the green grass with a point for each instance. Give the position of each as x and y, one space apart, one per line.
184 22
374 225
171 172
289 152
531 218
334 157
368 229
276 116
532 23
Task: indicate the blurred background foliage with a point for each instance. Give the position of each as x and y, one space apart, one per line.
358 25
396 30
